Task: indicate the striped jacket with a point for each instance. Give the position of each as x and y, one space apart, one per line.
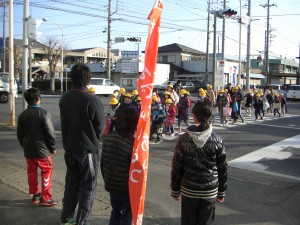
199 167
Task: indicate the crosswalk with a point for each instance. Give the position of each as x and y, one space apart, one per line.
217 123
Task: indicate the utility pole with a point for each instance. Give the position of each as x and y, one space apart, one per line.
4 37
248 47
298 76
108 40
207 43
223 34
11 66
267 39
25 50
214 70
240 46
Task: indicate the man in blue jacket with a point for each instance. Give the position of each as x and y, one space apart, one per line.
82 123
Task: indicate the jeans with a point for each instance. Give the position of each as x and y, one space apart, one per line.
121 210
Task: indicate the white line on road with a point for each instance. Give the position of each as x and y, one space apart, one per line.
287 126
271 152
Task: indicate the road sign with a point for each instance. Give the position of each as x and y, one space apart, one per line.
119 39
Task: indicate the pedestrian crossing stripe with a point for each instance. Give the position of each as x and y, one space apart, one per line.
217 123
277 151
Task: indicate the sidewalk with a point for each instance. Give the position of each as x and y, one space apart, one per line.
16 206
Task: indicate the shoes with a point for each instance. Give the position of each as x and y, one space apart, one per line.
243 120
172 134
36 198
159 141
71 221
261 117
221 125
49 203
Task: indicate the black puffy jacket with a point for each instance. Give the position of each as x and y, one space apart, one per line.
35 132
199 168
115 162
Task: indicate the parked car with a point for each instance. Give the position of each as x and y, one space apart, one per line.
5 89
276 87
187 86
104 86
293 92
164 85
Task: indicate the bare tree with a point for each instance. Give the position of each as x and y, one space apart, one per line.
53 53
18 62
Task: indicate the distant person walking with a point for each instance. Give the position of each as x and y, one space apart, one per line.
82 123
36 135
199 169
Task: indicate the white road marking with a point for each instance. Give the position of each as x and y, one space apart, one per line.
274 151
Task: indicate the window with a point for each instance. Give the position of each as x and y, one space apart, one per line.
172 58
96 82
294 87
131 82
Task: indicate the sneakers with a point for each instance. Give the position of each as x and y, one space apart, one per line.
49 203
71 221
36 198
172 134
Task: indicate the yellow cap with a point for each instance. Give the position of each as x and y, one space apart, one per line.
113 101
167 93
226 90
209 86
122 90
139 98
202 93
154 98
92 90
248 91
170 85
257 95
235 88
134 92
200 89
183 92
127 95
168 101
220 91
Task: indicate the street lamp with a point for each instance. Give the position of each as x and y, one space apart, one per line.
62 53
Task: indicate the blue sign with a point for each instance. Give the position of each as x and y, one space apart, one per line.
1 43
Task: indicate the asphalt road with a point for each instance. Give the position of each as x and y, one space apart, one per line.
264 171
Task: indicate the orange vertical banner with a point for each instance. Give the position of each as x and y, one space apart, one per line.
139 162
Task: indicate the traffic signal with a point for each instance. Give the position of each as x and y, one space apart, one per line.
134 39
227 12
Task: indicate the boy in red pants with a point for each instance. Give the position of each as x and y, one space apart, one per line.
36 135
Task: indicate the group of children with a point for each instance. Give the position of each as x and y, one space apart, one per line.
165 108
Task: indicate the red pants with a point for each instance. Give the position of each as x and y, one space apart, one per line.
46 167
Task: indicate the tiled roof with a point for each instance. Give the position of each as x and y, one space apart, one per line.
179 48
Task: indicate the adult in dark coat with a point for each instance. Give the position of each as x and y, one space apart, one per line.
82 124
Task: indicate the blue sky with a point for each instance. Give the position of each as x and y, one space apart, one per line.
183 21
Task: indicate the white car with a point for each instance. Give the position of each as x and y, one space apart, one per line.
293 92
104 86
4 87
